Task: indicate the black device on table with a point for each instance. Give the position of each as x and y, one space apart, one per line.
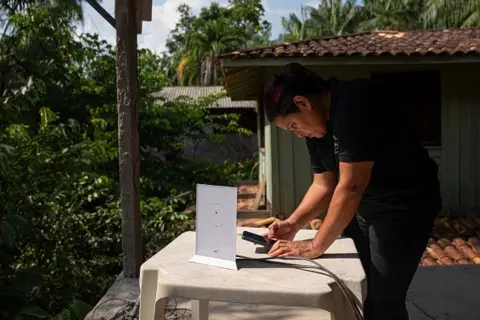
258 239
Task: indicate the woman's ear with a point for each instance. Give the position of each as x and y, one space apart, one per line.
302 103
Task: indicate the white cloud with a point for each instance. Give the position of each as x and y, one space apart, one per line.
94 23
154 33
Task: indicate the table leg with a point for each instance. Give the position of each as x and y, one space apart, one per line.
199 309
159 312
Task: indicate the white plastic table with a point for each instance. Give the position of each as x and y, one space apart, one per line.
170 274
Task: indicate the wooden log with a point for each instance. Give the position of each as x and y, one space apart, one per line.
264 222
247 222
260 192
315 224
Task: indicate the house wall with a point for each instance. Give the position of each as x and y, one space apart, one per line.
234 147
458 157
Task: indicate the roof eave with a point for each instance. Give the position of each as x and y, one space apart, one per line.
349 60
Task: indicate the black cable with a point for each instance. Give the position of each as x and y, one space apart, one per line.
175 313
353 301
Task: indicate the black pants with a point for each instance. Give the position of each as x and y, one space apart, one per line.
390 248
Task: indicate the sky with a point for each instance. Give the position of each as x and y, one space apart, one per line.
165 16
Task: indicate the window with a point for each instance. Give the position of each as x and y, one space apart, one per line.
420 94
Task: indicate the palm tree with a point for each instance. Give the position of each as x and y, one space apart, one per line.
206 40
261 38
296 28
336 17
66 9
452 14
394 14
71 8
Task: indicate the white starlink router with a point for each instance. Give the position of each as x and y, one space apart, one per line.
216 226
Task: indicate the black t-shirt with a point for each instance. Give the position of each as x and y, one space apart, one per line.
366 125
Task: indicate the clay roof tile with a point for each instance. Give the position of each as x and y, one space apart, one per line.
379 43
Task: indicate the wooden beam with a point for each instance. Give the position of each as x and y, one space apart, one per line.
101 11
147 10
128 140
260 192
139 13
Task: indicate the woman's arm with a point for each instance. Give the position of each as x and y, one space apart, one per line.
354 178
315 200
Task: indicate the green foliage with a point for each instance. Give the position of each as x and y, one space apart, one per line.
60 220
197 40
236 171
77 310
339 17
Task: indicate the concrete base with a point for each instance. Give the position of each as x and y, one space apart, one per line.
122 295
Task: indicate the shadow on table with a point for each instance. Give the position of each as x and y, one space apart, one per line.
286 263
263 250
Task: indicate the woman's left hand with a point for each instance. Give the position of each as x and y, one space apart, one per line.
304 249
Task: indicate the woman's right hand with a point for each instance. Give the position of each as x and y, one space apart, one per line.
282 230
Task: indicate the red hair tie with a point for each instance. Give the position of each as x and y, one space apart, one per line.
278 94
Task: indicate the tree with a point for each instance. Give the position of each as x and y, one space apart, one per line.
336 17
210 38
177 36
452 14
394 14
70 9
60 222
196 40
260 39
247 15
295 28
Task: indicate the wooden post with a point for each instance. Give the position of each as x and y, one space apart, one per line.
128 140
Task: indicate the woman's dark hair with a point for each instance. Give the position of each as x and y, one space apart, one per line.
294 80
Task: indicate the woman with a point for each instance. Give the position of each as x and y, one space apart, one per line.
378 183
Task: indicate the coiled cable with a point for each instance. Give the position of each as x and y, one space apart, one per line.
352 300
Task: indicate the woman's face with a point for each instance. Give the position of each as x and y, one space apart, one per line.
308 122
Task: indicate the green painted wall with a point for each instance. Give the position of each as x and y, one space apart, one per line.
287 161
